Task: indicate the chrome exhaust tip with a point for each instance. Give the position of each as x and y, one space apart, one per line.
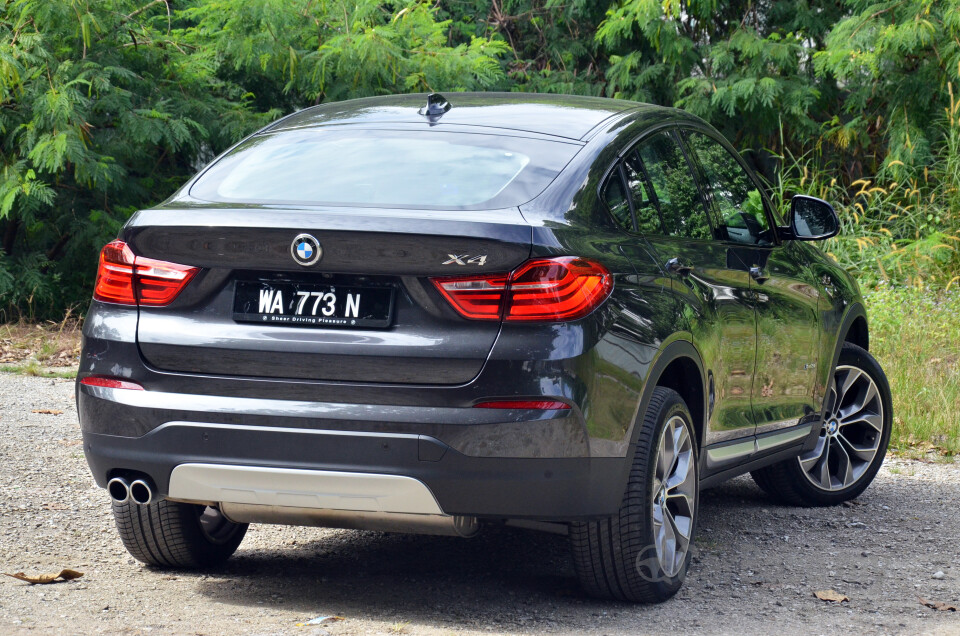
141 492
119 489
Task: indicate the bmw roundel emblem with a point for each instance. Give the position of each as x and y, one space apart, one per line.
306 250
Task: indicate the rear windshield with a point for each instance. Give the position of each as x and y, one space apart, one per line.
361 167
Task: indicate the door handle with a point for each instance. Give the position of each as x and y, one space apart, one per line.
758 275
676 266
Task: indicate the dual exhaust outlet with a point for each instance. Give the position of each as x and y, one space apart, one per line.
139 491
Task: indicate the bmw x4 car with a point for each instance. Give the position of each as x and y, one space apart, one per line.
429 314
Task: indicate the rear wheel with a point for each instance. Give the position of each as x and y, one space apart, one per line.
853 438
643 552
177 535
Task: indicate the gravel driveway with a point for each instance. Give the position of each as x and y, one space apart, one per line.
757 563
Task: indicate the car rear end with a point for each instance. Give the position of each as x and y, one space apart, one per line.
349 328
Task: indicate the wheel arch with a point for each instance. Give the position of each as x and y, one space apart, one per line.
853 329
858 333
678 366
684 375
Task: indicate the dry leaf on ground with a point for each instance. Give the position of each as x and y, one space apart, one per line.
831 596
321 620
937 605
65 575
47 411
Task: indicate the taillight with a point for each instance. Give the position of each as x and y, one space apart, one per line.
111 382
158 282
477 297
546 289
126 279
542 405
115 274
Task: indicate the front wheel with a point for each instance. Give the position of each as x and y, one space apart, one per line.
642 553
853 438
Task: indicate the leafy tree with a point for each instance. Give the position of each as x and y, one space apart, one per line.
107 106
894 60
552 48
743 65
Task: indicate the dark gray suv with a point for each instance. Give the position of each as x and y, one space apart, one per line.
427 314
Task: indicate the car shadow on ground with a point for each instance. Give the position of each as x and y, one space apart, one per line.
512 575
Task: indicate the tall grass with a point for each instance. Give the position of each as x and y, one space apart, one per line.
898 228
915 334
900 236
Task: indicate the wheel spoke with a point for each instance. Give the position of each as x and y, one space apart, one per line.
665 457
824 467
809 460
863 452
681 527
844 465
874 420
682 473
667 543
844 386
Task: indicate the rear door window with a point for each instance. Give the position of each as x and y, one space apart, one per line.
673 187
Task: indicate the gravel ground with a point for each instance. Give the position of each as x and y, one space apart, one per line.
756 568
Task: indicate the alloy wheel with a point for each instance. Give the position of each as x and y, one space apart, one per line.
851 432
674 496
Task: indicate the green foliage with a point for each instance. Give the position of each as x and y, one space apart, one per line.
743 66
552 48
107 106
894 59
901 232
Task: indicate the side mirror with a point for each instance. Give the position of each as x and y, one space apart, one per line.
812 219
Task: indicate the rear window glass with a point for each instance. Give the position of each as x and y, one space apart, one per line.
361 167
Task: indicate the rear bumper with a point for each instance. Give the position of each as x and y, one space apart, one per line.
535 465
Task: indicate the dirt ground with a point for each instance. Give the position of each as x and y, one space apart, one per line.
756 569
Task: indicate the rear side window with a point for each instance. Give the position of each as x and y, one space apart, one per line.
645 206
734 195
616 200
383 168
674 188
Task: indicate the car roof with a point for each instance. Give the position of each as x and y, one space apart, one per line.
566 116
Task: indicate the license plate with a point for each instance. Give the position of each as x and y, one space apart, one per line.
312 305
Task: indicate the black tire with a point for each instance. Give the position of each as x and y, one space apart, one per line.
786 482
170 534
616 558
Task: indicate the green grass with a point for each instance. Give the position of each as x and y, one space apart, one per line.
916 337
33 368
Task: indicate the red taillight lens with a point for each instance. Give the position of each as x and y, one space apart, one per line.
110 382
158 283
548 289
477 297
129 280
543 405
557 289
115 274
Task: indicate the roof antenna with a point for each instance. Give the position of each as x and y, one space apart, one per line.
436 106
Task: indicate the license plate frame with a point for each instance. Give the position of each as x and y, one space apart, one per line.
305 304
